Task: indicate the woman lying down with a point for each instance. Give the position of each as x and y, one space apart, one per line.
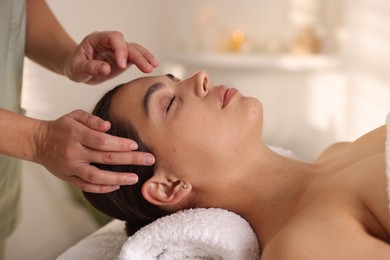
209 154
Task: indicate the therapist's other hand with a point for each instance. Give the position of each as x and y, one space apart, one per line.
104 55
68 145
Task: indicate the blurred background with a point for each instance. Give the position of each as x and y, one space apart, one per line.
320 68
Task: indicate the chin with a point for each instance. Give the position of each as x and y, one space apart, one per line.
254 109
253 117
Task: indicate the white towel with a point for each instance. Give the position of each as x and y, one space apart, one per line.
194 234
104 244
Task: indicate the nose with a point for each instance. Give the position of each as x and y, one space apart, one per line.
202 85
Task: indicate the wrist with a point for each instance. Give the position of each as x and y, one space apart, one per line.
39 141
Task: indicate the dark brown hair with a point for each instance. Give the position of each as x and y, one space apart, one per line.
126 203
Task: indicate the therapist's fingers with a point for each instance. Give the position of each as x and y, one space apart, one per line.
104 55
112 45
119 158
91 179
93 175
94 68
89 187
90 120
105 148
141 57
115 42
98 139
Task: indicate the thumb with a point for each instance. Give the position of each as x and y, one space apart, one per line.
95 68
83 71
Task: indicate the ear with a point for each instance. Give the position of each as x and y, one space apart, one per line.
160 191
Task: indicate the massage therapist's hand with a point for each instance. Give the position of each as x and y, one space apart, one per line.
68 145
104 55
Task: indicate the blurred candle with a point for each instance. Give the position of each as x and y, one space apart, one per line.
236 41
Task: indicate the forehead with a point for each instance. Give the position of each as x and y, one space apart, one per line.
129 97
127 102
136 87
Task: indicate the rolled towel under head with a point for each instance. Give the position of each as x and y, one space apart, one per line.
194 234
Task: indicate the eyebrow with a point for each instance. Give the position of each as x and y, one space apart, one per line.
153 89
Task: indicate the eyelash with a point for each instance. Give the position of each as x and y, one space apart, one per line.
170 104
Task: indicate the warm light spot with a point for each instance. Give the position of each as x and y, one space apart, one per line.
238 38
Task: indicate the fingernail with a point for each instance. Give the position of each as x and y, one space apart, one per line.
102 123
149 159
155 63
115 188
133 146
132 179
124 63
101 69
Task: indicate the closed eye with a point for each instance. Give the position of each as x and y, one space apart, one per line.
170 104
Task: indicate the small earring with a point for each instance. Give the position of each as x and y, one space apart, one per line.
185 186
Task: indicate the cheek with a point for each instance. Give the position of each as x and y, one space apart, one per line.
195 148
204 145
220 131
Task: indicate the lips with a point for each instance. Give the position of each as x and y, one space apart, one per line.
225 95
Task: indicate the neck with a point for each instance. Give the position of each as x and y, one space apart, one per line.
271 193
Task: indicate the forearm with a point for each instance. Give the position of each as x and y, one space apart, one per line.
47 43
18 135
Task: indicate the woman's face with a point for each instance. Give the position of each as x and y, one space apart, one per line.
193 128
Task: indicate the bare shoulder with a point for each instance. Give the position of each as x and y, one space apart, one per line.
333 149
368 144
307 243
